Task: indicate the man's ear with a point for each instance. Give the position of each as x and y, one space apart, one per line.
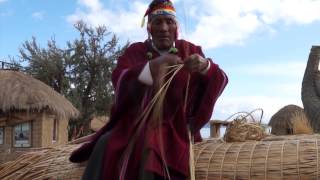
149 31
149 28
177 31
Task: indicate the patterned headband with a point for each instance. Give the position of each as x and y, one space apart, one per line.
159 7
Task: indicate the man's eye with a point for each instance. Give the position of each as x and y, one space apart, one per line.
157 22
170 21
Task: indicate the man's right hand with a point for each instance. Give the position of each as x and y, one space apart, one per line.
159 64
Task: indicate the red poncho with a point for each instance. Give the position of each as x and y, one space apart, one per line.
132 96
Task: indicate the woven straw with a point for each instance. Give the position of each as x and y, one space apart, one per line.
50 163
240 130
274 158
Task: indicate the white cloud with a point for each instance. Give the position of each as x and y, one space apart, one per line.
6 13
292 88
93 5
294 69
39 15
221 22
213 31
279 85
228 105
216 22
123 22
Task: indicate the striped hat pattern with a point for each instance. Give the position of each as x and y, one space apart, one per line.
159 7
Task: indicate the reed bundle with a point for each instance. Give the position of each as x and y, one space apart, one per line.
239 131
49 163
155 109
275 157
295 157
301 124
244 128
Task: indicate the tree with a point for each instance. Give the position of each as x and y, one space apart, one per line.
81 72
91 63
47 65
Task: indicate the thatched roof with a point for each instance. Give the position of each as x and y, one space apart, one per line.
283 118
98 122
19 91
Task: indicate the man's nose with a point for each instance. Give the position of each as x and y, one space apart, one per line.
164 26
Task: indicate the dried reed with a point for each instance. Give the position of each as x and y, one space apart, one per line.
301 124
48 163
239 131
292 157
242 129
155 106
277 157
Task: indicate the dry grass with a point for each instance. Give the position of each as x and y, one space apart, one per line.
46 163
245 127
155 109
240 130
22 92
296 158
278 157
301 124
282 121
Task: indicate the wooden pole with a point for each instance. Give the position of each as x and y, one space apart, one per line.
215 130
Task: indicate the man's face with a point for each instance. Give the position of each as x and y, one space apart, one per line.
163 31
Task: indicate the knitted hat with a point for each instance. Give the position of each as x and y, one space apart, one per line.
159 7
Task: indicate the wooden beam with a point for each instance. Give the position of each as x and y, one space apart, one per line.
215 126
215 130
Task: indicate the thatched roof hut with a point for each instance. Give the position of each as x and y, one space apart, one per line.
19 91
282 121
32 114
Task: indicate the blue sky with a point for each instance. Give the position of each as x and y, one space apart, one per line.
262 45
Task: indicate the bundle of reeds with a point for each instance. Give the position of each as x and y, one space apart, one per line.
50 163
301 124
244 127
275 158
240 130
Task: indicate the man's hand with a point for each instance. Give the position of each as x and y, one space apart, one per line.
157 65
196 63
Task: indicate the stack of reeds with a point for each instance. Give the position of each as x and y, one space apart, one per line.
240 130
296 157
278 157
50 163
245 127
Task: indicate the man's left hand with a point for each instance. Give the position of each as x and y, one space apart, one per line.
196 63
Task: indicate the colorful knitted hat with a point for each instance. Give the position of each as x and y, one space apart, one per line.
159 7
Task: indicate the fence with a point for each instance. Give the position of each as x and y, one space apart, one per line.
11 66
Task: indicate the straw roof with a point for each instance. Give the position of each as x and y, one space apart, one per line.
19 91
284 116
98 122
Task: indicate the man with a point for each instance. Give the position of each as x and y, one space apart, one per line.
132 148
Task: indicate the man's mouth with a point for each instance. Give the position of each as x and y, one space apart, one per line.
164 37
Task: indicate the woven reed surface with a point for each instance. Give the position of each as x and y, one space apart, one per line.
285 157
279 157
50 163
